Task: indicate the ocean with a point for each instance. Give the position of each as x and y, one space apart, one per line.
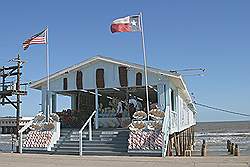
215 134
6 143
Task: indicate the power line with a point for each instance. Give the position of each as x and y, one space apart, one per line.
223 110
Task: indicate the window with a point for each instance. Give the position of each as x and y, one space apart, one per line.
138 79
79 77
100 78
65 84
172 96
123 76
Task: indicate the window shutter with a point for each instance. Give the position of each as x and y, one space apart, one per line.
65 84
100 78
79 78
123 76
138 79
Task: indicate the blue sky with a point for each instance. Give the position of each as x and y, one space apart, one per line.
181 34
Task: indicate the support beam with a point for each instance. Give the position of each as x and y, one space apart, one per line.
10 102
74 101
49 103
54 103
96 108
161 96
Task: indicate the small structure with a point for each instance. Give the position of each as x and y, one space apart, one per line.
8 124
100 83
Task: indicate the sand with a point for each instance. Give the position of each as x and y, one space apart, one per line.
41 160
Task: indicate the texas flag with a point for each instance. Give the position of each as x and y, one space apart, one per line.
126 24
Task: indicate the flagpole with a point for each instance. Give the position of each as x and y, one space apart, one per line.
47 71
145 64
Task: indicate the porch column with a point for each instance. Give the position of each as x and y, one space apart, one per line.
161 96
178 109
44 101
49 103
54 103
96 108
73 102
168 95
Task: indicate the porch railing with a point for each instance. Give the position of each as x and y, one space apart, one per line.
20 132
166 129
88 122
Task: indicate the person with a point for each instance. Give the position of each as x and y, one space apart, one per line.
119 112
139 105
132 106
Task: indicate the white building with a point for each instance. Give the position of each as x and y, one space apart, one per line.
100 79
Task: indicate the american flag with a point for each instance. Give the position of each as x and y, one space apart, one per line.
39 38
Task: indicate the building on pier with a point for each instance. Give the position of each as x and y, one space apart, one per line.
100 83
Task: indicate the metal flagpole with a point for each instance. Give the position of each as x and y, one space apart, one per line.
47 71
145 63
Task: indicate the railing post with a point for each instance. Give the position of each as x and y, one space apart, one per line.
90 130
89 121
80 143
20 142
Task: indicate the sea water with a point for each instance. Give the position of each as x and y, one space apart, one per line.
6 143
216 135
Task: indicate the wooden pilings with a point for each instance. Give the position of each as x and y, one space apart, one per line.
183 142
236 150
233 148
228 146
170 145
204 148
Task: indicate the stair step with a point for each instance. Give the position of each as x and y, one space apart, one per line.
76 152
95 138
120 149
104 142
90 144
76 142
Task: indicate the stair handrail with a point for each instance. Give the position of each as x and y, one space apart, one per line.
88 122
166 130
20 132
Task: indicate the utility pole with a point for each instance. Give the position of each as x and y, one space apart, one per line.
9 89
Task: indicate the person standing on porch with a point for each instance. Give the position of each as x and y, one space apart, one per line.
138 105
119 112
132 106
